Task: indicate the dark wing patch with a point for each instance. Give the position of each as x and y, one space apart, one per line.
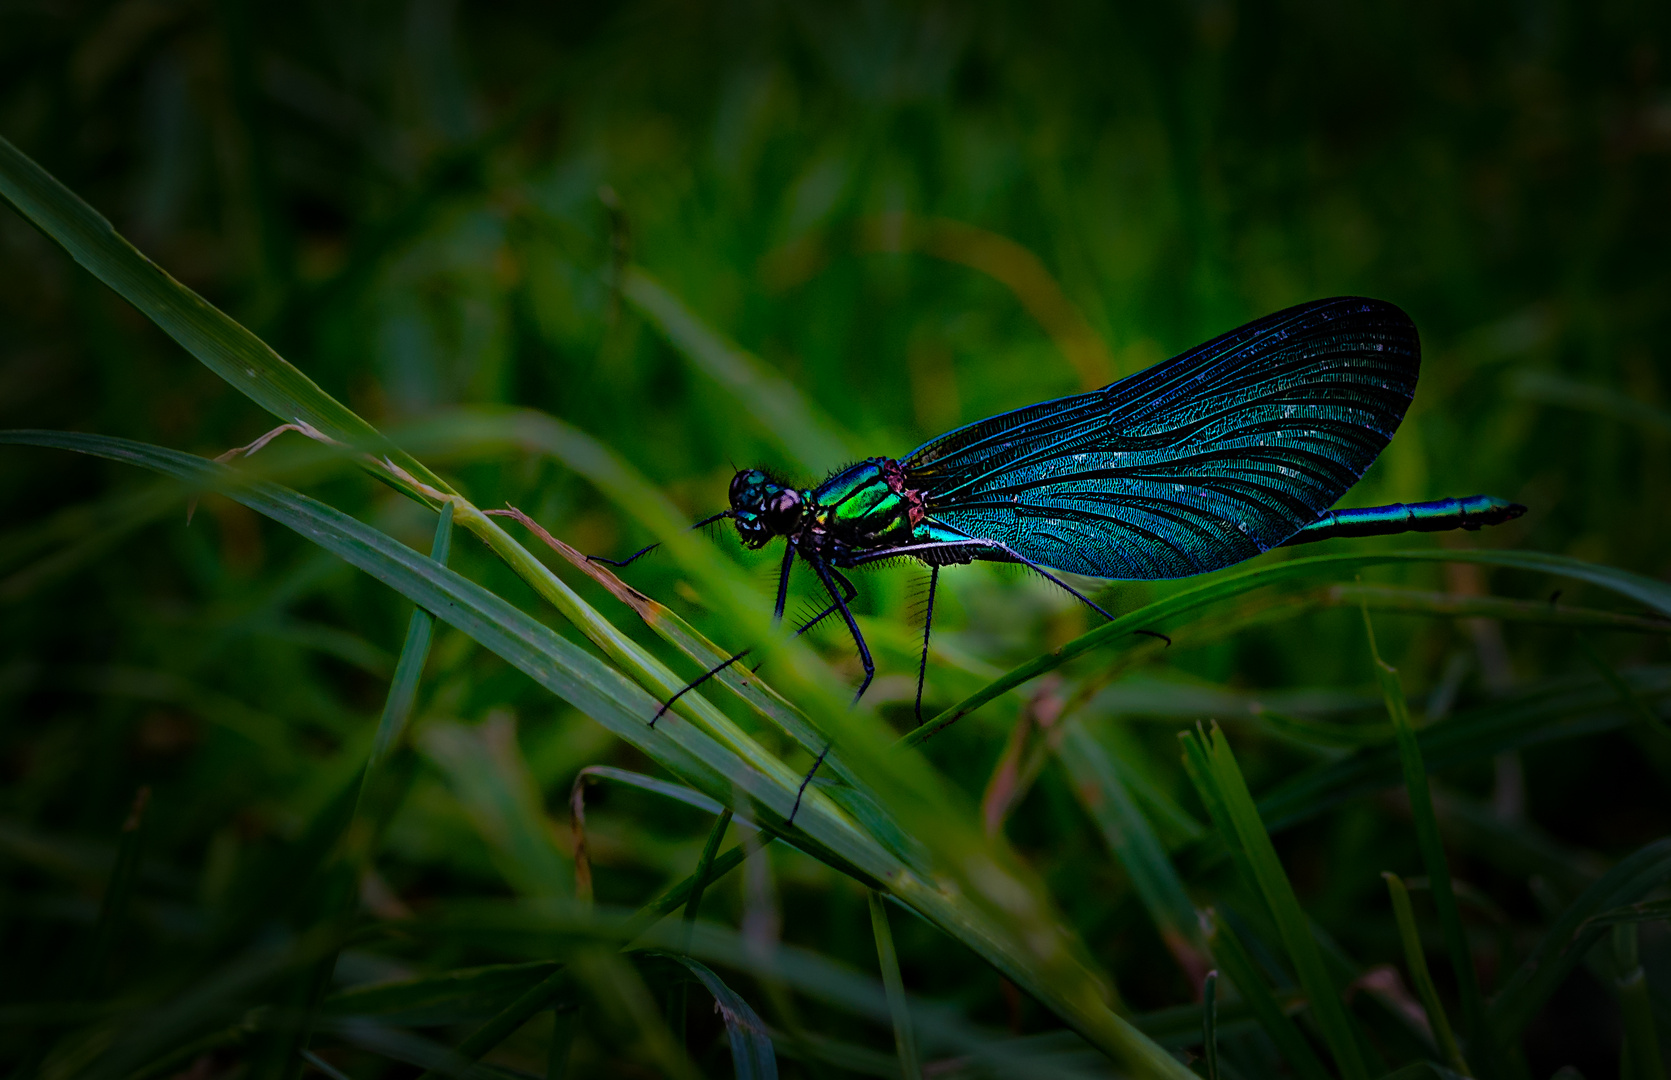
1199 462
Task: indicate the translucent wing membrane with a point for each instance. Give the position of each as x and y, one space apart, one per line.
1197 463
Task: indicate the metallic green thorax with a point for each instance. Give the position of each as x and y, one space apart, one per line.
862 508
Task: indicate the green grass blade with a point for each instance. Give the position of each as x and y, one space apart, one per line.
1209 1023
1416 960
676 792
1433 858
1453 605
564 1023
1132 839
1636 1006
1199 768
519 1012
1538 715
752 1054
403 688
1644 590
215 339
905 1039
118 893
485 770
1635 704
1273 883
803 430
1250 983
1602 400
705 865
1572 935
452 997
1042 958
618 989
1646 911
693 904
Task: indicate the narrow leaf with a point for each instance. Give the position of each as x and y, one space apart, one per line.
809 436
1433 858
1636 1006
1644 590
1415 958
1130 837
118 892
905 1039
752 1054
1573 934
1279 895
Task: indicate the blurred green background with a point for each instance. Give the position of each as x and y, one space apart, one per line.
918 215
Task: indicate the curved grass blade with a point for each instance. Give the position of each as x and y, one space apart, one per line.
752 1055
1433 858
1544 714
1655 595
403 689
1048 963
1132 839
1209 1023
1272 880
693 905
412 1049
940 1029
113 908
906 786
676 792
809 436
905 1038
1635 1004
1390 598
1273 1018
519 1012
449 998
1602 400
1416 960
554 662
1565 943
209 334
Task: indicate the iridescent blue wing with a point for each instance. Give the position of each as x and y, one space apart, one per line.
1197 463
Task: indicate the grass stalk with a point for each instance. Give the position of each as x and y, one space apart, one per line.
1250 983
680 998
1209 1023
1433 858
344 878
905 1040
1303 951
1636 1007
1416 959
564 1020
118 893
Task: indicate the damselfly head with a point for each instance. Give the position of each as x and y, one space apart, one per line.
763 508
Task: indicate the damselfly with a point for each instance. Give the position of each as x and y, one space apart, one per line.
1215 456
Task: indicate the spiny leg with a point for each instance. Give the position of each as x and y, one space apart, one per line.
629 560
694 683
783 582
928 624
1008 552
805 780
825 574
709 520
734 657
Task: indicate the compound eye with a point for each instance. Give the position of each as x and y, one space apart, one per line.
783 511
740 484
